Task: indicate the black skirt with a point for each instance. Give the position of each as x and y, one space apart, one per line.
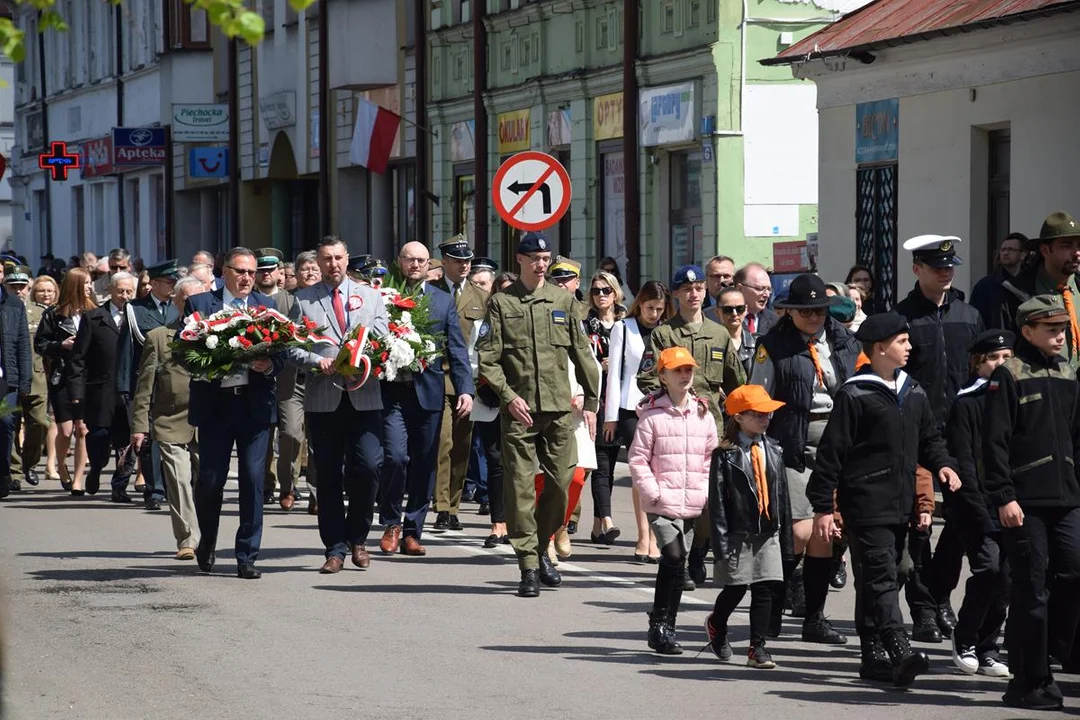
60 399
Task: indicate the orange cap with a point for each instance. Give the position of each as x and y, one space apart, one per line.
675 357
750 397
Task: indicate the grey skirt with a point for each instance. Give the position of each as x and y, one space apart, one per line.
801 509
750 559
668 530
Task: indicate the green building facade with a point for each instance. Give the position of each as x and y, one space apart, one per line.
728 159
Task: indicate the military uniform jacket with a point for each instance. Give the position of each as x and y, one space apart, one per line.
471 308
162 392
142 316
719 370
286 379
39 381
1031 431
1034 281
524 345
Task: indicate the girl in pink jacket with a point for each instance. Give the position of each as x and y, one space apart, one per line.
669 463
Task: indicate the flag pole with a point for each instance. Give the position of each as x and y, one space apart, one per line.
429 131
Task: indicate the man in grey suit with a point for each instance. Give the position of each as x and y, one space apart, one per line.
345 424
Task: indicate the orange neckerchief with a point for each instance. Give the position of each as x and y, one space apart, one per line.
1074 331
817 363
757 460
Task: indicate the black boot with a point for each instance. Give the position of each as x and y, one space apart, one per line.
839 574
798 594
875 663
662 633
946 619
907 664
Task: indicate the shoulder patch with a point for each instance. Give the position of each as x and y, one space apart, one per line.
716 354
762 355
558 317
648 361
485 328
993 386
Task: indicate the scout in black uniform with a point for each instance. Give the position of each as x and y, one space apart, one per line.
986 597
881 424
942 328
1031 449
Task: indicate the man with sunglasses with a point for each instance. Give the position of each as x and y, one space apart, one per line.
756 286
119 260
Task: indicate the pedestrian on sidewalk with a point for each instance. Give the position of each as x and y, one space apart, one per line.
669 465
751 517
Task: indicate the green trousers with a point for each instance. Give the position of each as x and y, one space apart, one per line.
34 421
532 520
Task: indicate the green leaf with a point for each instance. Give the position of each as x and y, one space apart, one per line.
251 26
300 5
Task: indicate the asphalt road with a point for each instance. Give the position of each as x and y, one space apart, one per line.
101 622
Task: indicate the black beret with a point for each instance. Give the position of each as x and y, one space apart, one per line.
881 327
992 340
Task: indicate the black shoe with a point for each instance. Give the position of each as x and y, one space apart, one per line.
548 574
571 528
925 630
819 630
718 641
248 572
93 482
1051 688
14 485
120 497
530 583
839 577
662 634
455 524
205 558
442 521
485 509
760 658
946 619
152 503
688 583
5 490
1036 699
492 540
907 664
875 663
32 478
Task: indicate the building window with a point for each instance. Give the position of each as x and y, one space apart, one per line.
667 17
266 9
536 47
998 222
579 36
189 27
685 208
875 228
601 33
526 51
459 65
695 13
507 55
613 204
462 11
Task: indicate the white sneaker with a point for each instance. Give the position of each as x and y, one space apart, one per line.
965 659
992 667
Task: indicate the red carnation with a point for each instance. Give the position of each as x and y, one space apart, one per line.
378 371
375 345
250 329
382 358
245 342
262 308
275 337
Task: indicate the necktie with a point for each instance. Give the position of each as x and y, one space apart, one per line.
817 362
239 302
339 310
751 324
1074 331
457 291
757 460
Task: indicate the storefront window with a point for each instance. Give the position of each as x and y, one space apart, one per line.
614 207
685 209
465 206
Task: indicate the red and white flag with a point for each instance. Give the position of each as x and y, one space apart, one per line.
373 137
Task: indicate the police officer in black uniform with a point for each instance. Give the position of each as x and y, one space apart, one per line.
942 328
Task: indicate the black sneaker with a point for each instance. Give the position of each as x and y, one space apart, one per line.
120 497
442 521
152 503
718 641
455 524
1036 699
14 485
820 630
759 657
484 509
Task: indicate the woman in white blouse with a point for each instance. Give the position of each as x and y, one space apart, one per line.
628 340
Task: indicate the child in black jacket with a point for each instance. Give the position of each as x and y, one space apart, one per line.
986 597
881 426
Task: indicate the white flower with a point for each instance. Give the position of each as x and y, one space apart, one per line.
212 342
406 318
401 354
429 347
234 342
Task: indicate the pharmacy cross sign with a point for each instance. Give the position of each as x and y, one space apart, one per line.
531 191
58 161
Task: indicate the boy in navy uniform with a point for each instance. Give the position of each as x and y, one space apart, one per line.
881 425
1031 451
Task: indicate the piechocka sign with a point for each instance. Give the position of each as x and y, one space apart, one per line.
200 123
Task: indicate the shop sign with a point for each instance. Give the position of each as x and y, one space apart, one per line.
877 131
608 116
667 114
138 146
514 131
278 110
208 162
200 123
463 141
790 257
97 157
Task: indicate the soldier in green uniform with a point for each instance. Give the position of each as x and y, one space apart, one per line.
35 415
720 372
529 334
455 441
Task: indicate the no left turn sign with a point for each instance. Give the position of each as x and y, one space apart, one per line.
531 191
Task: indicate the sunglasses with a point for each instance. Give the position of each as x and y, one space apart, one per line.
733 309
242 272
811 312
598 291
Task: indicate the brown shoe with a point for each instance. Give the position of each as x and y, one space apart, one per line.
287 502
313 506
332 565
185 553
391 540
413 547
360 557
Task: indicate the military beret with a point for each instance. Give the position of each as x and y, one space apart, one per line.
268 258
881 327
532 242
168 270
687 274
483 263
843 309
457 248
992 340
1040 307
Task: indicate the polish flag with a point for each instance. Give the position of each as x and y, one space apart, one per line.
373 137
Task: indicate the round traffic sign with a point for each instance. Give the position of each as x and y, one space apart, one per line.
531 191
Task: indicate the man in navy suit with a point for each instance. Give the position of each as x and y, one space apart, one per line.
412 415
238 409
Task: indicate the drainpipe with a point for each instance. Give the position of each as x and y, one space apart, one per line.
421 197
631 178
45 139
480 141
122 224
326 152
234 146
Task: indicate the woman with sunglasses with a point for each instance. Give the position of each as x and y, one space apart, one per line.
730 311
629 338
605 311
802 362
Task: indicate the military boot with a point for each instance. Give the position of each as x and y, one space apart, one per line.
907 664
875 663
